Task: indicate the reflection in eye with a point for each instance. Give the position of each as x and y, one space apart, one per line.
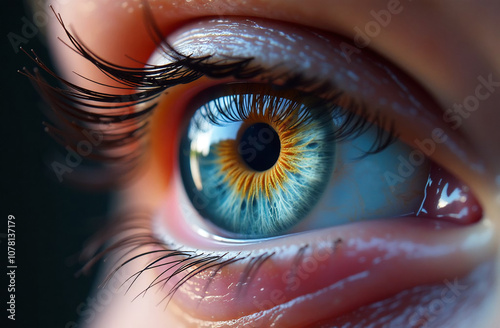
259 194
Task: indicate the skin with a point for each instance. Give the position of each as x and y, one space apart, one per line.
435 43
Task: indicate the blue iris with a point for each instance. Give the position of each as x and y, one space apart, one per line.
254 165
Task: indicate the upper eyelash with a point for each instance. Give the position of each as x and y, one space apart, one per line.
237 99
77 108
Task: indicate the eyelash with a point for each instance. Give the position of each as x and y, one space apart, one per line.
183 260
246 96
74 112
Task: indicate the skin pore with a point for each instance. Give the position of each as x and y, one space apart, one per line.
440 45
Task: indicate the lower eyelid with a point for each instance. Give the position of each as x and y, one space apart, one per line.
363 254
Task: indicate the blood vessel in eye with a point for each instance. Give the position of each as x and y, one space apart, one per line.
448 198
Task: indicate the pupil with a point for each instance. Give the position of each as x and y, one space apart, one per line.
259 146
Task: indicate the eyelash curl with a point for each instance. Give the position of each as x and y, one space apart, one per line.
122 118
124 124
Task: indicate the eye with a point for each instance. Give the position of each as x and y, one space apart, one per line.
265 159
255 161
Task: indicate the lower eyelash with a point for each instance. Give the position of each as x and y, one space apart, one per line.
130 233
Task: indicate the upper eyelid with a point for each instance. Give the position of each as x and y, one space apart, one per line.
343 19
417 109
79 108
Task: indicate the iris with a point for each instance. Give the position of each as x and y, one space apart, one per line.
254 161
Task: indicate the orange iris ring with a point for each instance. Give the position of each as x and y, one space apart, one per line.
247 181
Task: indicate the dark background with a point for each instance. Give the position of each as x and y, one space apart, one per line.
53 220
